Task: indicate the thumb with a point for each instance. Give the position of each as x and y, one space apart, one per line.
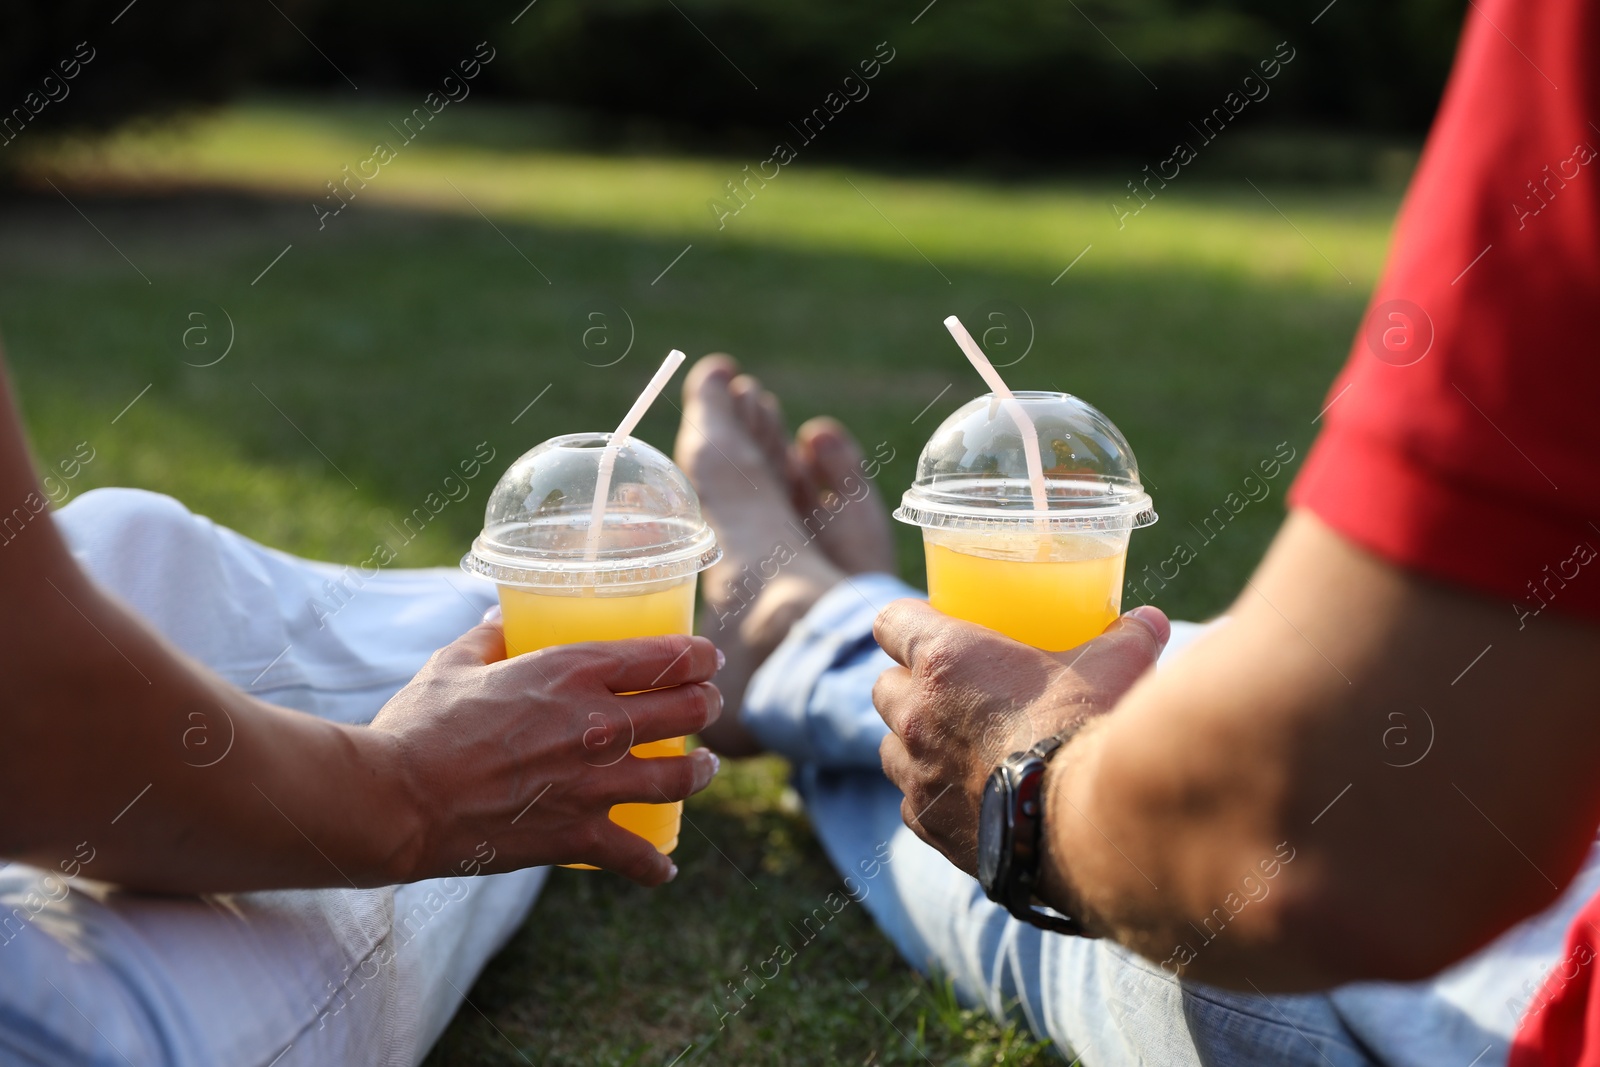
1153 617
1128 647
484 643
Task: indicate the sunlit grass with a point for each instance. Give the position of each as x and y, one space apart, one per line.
1032 227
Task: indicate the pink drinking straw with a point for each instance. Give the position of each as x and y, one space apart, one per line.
608 459
1030 436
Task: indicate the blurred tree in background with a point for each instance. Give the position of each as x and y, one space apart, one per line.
82 64
1038 80
1033 81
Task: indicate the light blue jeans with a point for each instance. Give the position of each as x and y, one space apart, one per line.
1100 1003
90 975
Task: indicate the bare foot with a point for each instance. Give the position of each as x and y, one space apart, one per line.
793 519
856 535
732 445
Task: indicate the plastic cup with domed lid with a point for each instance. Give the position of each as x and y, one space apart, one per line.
1047 576
639 580
565 577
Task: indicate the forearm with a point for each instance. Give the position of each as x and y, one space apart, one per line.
1184 882
176 780
1244 816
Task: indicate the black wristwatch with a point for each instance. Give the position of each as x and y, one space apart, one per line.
1010 833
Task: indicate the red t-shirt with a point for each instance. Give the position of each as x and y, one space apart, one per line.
1462 439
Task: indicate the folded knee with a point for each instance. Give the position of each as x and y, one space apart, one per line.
124 537
124 510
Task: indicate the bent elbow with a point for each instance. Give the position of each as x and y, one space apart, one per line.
1361 929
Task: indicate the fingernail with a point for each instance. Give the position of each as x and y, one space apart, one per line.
671 873
1154 618
708 768
722 661
493 614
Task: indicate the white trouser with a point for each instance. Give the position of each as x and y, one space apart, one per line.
93 975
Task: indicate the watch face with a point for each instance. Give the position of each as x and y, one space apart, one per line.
992 828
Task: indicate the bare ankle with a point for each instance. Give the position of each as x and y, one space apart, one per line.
783 603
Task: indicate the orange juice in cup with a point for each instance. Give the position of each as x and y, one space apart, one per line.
1055 602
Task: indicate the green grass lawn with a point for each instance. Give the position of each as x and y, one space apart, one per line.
380 350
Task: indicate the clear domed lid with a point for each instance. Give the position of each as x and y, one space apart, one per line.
536 524
973 472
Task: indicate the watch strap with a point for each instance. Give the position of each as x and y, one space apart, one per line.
1023 879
